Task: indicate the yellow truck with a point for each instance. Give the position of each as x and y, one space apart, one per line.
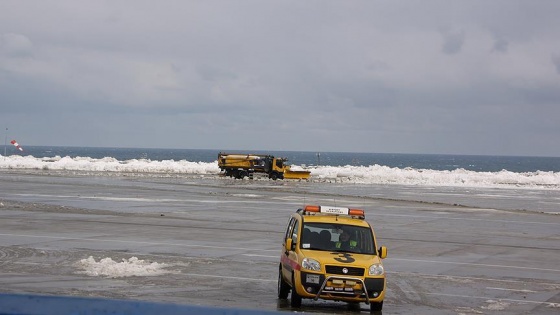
245 165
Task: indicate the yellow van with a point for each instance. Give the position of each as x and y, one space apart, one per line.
331 253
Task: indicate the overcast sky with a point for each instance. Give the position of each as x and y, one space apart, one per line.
451 77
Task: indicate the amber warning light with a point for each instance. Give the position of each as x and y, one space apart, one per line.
335 210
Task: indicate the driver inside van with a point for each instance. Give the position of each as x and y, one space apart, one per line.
344 241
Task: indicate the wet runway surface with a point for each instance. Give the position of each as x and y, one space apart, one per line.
220 241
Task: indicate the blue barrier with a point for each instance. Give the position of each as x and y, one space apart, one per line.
24 304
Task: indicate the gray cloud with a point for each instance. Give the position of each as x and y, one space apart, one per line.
501 45
453 42
15 45
556 62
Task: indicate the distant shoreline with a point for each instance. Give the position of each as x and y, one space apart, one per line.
439 162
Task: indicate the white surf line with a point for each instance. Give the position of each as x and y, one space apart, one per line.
551 304
475 264
137 242
442 277
141 199
514 290
29 263
260 250
447 277
464 219
257 255
228 277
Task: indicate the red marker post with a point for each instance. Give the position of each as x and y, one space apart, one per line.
14 142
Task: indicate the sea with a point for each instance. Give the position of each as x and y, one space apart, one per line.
417 170
440 162
502 182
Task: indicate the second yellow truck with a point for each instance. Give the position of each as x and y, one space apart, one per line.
245 165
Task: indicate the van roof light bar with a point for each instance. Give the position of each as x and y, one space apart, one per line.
334 211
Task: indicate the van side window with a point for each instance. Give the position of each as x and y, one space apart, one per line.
295 232
289 228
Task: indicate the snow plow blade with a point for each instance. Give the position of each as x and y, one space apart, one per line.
297 174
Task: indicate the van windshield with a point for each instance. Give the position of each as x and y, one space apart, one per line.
337 238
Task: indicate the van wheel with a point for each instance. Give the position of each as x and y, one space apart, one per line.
354 306
295 299
283 287
376 306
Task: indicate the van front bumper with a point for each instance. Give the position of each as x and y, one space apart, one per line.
342 288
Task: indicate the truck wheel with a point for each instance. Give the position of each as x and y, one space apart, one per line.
283 286
295 299
376 306
273 176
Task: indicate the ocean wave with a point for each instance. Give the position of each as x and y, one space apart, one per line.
373 174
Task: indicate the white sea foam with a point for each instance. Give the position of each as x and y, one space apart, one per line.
374 174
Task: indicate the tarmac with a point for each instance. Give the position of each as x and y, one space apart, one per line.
451 251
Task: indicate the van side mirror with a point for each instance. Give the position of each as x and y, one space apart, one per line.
382 252
289 243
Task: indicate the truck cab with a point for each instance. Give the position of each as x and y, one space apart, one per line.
277 167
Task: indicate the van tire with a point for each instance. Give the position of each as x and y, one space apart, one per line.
283 286
295 298
376 306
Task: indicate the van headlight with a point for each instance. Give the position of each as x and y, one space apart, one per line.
376 270
310 264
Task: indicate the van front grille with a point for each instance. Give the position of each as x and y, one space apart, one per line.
339 270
